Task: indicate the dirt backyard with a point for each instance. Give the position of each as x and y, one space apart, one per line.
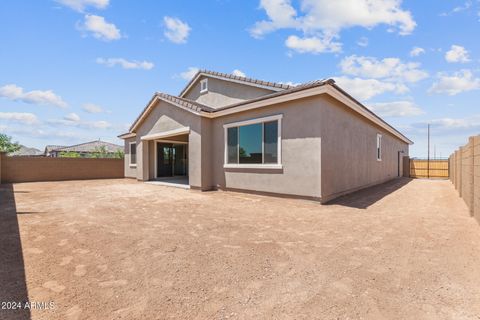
121 249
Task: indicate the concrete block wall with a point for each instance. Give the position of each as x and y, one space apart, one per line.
476 178
31 169
465 174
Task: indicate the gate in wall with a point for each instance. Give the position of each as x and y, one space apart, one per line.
424 168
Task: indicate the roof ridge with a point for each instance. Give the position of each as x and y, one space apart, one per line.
246 79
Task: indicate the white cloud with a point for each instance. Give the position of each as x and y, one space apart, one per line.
100 124
457 54
100 28
21 117
176 31
72 117
238 73
16 93
459 82
312 45
396 109
323 20
126 64
388 68
80 5
457 9
92 108
444 125
189 74
73 120
363 42
364 89
416 51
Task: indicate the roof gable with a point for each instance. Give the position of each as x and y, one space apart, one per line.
273 86
313 88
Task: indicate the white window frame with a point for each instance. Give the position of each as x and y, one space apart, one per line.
204 85
378 150
132 165
277 165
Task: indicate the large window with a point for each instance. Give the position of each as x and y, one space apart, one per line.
379 147
253 143
133 154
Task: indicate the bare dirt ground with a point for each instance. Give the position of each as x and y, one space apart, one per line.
120 249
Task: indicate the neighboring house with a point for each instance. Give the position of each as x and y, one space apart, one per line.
49 150
85 150
26 152
227 132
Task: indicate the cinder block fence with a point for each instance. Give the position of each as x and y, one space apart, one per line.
465 174
31 169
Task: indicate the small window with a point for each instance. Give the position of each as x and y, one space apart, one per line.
204 85
379 147
133 154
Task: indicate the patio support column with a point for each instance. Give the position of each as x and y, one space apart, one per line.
142 160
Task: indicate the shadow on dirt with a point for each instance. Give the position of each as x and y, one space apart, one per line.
366 197
13 286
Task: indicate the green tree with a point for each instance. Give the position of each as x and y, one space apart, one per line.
6 144
100 152
119 154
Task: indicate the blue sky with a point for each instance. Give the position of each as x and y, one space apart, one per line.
78 70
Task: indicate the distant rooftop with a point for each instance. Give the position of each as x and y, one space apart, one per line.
91 146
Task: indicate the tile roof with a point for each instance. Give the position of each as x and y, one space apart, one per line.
91 146
300 87
246 79
228 76
198 107
185 102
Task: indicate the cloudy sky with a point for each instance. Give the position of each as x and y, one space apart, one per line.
78 70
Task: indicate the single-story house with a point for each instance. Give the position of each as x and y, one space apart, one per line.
49 150
227 132
84 150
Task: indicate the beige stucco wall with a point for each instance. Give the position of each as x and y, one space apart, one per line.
349 151
130 172
327 150
301 149
222 93
165 117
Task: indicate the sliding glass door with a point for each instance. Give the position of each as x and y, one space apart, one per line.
171 160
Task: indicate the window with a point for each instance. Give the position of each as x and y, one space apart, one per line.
253 143
204 85
379 147
133 154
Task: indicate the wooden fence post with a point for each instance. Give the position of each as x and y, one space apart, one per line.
406 166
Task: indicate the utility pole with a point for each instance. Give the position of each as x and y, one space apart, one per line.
428 156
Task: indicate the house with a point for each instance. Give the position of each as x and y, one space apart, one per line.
26 152
49 150
84 150
227 132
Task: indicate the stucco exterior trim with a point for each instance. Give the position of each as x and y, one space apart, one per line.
166 134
